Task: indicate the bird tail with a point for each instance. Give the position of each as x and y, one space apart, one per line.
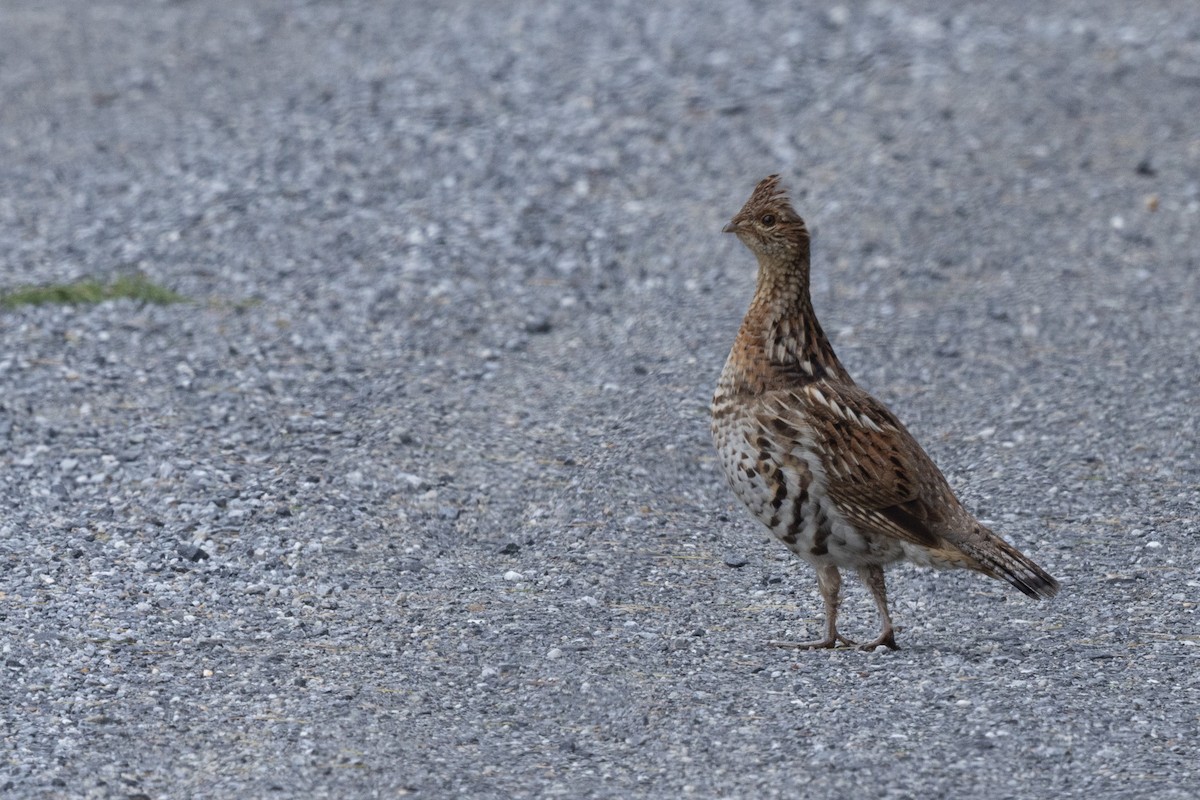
999 559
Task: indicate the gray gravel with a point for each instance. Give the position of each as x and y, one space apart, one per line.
416 496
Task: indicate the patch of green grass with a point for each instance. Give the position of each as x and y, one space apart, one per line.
240 306
135 287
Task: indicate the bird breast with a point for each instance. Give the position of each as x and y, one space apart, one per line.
778 473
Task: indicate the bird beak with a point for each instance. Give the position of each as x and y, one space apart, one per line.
732 227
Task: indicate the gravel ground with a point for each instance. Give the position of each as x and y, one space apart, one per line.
416 496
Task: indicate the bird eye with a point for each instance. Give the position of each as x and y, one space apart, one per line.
768 220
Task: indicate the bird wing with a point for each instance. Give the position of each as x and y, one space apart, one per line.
877 474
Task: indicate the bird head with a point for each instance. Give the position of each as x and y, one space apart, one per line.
768 225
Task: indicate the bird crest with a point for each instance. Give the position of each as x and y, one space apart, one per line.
768 193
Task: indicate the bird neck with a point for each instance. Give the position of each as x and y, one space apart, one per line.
781 343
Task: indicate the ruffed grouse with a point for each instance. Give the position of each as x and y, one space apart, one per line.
829 469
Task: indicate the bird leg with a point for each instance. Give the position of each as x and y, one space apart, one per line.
872 578
829 580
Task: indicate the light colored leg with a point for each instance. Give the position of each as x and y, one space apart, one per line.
830 582
872 578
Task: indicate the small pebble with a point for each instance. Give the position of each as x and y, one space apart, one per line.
414 482
190 552
538 324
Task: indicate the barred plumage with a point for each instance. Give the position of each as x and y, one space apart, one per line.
828 468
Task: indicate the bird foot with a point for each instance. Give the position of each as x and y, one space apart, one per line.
887 639
828 643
